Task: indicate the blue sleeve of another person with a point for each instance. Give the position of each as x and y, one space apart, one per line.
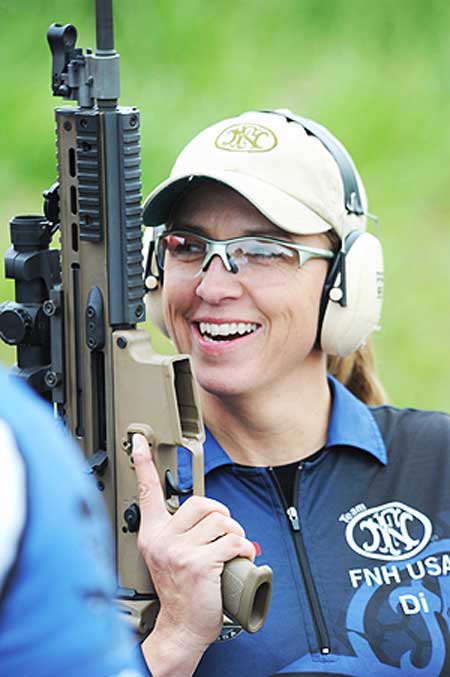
57 615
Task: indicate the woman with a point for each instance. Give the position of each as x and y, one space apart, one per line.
266 270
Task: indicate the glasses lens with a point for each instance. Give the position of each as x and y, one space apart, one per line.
181 247
253 253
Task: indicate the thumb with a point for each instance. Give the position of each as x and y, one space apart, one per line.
151 497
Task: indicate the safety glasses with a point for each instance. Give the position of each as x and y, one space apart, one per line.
193 253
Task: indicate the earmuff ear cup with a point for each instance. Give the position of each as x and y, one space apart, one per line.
346 328
153 306
153 296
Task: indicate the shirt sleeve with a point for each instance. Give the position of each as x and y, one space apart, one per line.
12 501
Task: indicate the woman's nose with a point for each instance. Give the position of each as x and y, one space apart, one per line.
217 283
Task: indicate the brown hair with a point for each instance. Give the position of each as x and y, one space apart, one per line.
356 371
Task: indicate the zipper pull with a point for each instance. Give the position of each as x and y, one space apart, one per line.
293 518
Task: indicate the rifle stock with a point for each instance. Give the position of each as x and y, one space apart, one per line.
92 361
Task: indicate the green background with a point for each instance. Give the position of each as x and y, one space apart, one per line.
376 73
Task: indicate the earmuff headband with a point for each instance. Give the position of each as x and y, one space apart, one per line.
352 197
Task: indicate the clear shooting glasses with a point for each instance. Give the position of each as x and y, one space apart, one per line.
193 253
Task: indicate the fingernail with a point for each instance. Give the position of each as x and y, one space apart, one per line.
140 445
257 548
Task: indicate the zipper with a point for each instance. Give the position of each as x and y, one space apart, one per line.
311 591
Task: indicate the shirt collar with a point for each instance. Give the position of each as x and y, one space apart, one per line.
351 425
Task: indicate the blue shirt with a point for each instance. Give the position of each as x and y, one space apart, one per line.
360 577
57 583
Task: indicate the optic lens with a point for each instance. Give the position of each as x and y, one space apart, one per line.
184 248
252 252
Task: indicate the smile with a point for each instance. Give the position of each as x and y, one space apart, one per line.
225 331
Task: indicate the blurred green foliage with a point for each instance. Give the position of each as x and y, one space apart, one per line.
377 74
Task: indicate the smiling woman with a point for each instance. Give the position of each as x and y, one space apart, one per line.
281 299
266 275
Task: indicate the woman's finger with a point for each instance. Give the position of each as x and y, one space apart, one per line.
151 497
195 509
213 526
228 547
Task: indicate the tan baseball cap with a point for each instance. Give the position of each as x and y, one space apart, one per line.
286 173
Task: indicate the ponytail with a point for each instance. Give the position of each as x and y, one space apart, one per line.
357 372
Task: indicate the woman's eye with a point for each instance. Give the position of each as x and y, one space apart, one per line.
252 252
182 246
193 247
266 252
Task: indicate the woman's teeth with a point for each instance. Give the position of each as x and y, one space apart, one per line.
227 330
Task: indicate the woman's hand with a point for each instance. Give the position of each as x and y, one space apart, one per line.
185 554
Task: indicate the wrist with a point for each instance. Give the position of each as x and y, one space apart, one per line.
171 652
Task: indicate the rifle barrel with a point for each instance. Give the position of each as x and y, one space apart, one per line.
104 25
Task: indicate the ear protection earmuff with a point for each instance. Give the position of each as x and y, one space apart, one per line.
351 300
153 282
352 296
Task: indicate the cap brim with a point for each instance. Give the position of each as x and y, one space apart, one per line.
279 207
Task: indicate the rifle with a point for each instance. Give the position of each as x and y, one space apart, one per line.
75 314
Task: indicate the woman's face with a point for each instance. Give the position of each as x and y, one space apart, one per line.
281 308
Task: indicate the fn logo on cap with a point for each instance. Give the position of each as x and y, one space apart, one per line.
246 138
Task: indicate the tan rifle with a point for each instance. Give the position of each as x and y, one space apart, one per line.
75 315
